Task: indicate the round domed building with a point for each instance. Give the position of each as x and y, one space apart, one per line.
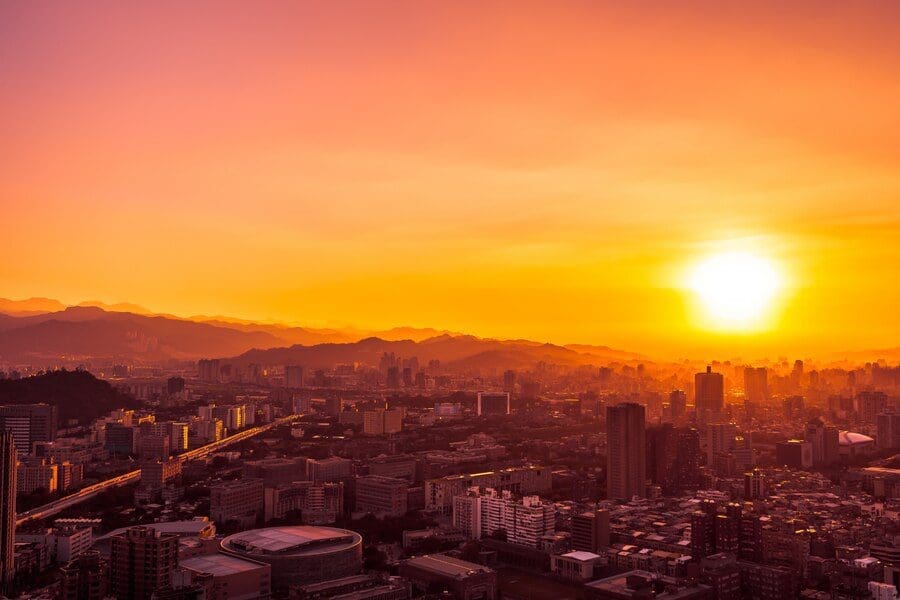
300 553
851 444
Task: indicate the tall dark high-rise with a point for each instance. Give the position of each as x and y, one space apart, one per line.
7 508
29 423
677 404
626 463
509 381
703 530
673 458
293 376
709 394
756 386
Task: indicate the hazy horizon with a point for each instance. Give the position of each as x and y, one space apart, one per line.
557 173
851 356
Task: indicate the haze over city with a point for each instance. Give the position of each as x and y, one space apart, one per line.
462 300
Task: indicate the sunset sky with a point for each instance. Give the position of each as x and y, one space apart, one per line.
552 172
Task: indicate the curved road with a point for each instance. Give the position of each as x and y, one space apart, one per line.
85 493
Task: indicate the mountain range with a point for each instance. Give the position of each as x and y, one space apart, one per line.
44 330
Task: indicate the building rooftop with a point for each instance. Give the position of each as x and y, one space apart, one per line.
220 564
850 438
447 565
194 527
581 555
298 539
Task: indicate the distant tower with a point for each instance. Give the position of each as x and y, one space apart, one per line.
709 394
7 508
677 404
626 463
756 387
509 381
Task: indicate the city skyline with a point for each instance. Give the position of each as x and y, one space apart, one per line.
407 300
553 173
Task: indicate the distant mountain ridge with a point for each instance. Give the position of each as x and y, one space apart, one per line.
462 352
101 331
289 334
30 306
85 332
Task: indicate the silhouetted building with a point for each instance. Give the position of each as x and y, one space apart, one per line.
493 403
174 385
626 462
7 509
677 404
887 435
662 457
509 381
792 407
824 442
293 376
208 369
703 530
794 453
719 441
756 385
709 394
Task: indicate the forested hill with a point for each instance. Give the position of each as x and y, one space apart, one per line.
78 394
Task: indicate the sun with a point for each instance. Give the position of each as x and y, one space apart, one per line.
737 290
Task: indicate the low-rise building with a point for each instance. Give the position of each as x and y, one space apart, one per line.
461 579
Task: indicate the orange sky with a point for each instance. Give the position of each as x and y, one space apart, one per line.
546 172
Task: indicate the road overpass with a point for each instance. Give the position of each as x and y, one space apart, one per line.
88 492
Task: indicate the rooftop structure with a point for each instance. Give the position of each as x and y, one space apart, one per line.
299 554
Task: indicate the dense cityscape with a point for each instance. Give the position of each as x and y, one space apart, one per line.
449 300
398 479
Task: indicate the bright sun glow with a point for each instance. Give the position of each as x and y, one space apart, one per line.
736 289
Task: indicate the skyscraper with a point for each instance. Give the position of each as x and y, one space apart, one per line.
824 442
709 394
756 386
888 430
29 423
7 508
293 376
719 441
509 381
673 458
677 404
626 452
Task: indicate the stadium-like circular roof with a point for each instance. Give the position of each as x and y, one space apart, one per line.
850 438
297 540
